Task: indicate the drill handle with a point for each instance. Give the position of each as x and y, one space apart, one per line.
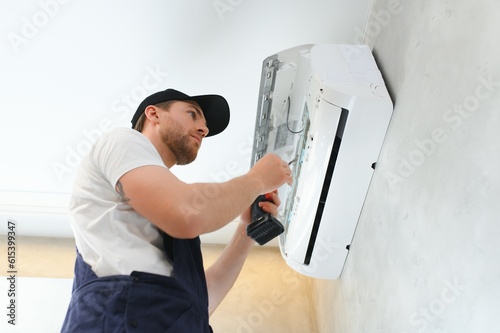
256 211
264 226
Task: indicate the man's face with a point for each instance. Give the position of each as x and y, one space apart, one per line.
183 129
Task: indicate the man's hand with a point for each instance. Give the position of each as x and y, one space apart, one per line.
272 172
267 206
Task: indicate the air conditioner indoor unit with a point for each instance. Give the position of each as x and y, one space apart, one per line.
326 109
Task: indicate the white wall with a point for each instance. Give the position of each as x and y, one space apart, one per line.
424 257
40 306
72 69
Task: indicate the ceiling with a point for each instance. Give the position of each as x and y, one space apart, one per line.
72 70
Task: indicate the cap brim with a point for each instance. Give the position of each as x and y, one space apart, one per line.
216 111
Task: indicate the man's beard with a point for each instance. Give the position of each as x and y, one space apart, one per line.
179 143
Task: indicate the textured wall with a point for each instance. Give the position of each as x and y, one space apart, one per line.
424 255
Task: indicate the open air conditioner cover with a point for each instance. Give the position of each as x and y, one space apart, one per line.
326 108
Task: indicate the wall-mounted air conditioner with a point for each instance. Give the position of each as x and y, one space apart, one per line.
326 108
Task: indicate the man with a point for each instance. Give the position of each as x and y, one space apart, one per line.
139 266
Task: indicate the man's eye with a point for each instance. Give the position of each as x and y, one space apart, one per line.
192 114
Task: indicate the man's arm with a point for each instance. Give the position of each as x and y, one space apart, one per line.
189 210
224 272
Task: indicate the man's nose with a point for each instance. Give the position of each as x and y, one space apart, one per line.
203 129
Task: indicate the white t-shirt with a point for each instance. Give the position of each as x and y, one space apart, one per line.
111 237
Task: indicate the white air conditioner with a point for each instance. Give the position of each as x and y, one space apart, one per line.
326 108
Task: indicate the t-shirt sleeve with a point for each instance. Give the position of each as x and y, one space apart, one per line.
122 150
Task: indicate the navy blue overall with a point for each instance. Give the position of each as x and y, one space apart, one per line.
143 302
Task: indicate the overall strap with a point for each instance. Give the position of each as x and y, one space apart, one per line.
187 262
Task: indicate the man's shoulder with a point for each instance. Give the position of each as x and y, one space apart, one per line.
121 134
122 131
118 140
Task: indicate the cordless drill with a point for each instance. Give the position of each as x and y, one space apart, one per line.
264 226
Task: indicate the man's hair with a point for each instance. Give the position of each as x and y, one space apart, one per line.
164 106
140 122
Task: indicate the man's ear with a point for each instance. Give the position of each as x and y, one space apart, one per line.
151 113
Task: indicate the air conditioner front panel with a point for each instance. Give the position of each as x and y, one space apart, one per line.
313 163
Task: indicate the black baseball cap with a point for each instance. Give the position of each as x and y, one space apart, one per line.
215 108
